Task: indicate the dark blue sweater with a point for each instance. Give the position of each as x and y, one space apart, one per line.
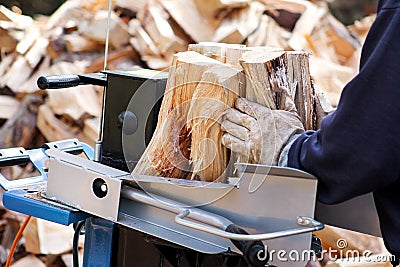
357 149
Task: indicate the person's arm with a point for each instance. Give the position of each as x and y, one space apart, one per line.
357 149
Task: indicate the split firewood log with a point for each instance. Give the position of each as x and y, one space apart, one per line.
168 151
217 91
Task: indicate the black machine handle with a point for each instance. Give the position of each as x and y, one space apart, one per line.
58 81
71 80
254 252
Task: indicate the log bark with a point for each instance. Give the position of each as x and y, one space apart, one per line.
270 72
267 73
302 90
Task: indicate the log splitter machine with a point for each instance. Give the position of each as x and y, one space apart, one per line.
136 220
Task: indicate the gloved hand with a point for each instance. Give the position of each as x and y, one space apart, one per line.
258 133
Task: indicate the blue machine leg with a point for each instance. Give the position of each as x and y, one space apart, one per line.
99 236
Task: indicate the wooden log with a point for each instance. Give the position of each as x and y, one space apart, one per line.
267 72
310 18
17 74
330 77
332 40
68 258
11 230
268 33
186 142
20 129
8 106
36 52
29 38
293 6
28 261
52 128
44 237
154 19
7 42
30 85
239 24
301 88
76 44
68 10
5 64
97 29
168 153
141 41
187 15
211 8
17 20
323 107
360 28
219 87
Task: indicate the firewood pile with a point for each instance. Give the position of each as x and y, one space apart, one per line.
144 33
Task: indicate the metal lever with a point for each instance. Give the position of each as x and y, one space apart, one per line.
307 225
58 81
71 80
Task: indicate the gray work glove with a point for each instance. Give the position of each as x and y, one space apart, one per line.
257 133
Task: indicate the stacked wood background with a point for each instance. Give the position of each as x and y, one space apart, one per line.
144 33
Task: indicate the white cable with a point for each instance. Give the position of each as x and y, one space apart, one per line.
107 34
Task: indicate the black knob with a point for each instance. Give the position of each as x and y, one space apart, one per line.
128 122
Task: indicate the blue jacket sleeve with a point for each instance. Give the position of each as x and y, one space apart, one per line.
357 148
